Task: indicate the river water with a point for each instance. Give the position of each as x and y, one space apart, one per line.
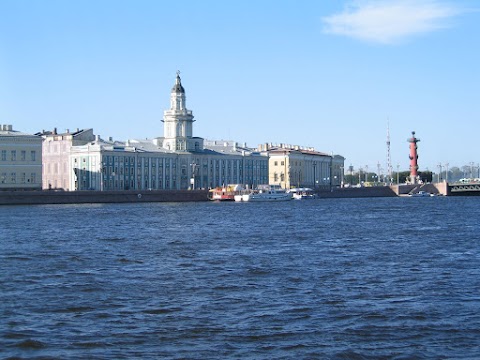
383 278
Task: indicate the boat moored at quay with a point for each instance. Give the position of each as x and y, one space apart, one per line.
225 193
264 193
302 193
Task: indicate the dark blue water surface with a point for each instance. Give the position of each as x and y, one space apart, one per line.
388 278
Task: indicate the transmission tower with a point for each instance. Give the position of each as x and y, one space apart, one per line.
389 160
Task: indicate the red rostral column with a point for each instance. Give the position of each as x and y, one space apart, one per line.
413 158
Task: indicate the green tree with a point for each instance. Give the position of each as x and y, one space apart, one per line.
425 176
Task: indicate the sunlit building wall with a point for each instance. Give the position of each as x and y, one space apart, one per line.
20 160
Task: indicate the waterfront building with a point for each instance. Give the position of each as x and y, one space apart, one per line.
57 174
296 166
20 160
142 165
178 160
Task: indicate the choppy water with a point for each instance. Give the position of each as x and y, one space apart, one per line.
324 279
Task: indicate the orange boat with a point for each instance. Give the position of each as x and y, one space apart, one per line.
224 193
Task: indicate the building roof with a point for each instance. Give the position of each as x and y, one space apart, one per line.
228 147
67 132
211 147
7 131
282 150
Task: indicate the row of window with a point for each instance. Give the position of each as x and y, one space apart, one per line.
111 161
51 148
295 163
12 178
52 168
22 155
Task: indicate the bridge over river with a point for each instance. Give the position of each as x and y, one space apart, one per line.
463 188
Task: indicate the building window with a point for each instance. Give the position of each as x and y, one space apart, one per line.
3 178
23 155
22 178
33 178
13 178
4 155
282 163
33 156
275 163
14 155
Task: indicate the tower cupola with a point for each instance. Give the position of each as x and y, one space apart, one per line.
178 88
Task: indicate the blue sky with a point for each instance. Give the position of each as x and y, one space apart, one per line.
328 74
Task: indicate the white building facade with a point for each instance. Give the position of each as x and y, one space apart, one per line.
20 160
178 160
135 165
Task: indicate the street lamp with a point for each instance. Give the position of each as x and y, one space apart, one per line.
192 180
341 176
350 168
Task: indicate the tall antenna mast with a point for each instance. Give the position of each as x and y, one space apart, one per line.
389 160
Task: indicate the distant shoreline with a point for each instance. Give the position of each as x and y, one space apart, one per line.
8 197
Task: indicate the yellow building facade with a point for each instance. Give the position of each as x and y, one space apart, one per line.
295 166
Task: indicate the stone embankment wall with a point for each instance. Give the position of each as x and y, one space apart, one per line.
376 191
432 188
83 197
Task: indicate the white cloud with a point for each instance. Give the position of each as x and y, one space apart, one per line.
390 21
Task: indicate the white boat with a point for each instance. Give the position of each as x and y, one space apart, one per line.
421 193
302 193
265 193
